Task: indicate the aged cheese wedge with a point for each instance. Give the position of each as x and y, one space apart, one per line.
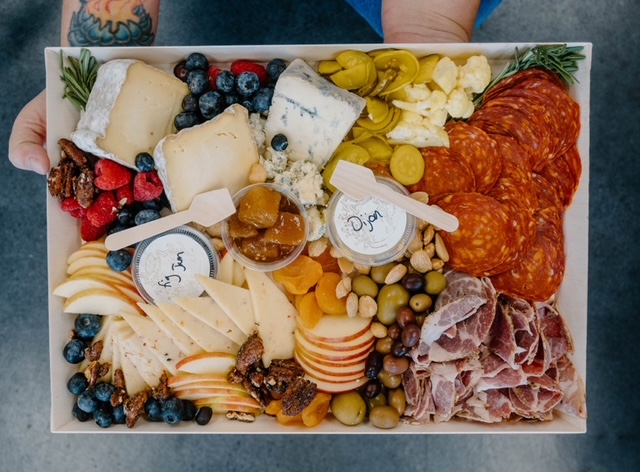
131 108
216 154
208 311
235 301
203 335
184 342
275 316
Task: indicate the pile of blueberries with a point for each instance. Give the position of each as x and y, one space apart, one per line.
207 101
95 402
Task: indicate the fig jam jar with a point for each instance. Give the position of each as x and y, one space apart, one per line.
370 231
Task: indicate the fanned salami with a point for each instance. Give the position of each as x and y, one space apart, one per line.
516 79
561 173
477 149
444 173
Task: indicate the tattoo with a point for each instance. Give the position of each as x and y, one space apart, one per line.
111 23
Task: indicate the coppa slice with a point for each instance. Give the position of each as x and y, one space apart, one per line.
235 301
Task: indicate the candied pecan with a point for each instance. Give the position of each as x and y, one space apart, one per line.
298 396
96 371
281 373
235 377
118 378
69 173
93 352
55 181
250 353
84 188
134 406
240 416
73 152
162 391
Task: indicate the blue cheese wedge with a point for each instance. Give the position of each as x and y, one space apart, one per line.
130 109
216 154
311 112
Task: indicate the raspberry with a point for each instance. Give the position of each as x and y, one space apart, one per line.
70 205
89 232
214 72
104 210
110 175
124 194
241 65
147 186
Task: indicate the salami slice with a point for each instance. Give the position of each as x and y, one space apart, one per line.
560 174
477 149
483 239
516 79
444 173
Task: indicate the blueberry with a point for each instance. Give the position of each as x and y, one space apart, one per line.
153 410
185 119
189 410
144 162
226 81
190 103
73 352
87 325
156 204
210 104
230 99
103 416
195 61
248 104
279 142
275 67
180 71
172 410
125 216
146 215
78 383
204 415
87 401
247 83
118 414
104 391
79 414
118 227
198 81
262 100
119 260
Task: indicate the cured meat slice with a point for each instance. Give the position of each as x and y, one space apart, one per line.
444 173
514 335
564 174
478 149
489 406
417 388
518 78
573 390
555 334
483 239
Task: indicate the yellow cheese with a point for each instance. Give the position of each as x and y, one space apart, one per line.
216 154
131 108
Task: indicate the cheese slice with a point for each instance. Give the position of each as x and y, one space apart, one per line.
103 335
134 382
275 316
180 339
208 311
203 335
156 341
216 154
147 365
314 114
225 269
131 107
234 301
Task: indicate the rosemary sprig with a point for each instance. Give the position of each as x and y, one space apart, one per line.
558 58
78 77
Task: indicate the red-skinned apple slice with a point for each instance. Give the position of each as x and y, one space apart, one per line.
182 380
208 363
331 368
210 392
328 376
337 387
330 354
100 302
337 329
351 345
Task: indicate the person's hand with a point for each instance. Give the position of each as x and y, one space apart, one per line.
28 137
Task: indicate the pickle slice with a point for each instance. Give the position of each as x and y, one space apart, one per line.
328 67
347 152
404 61
407 164
351 78
425 70
377 109
379 150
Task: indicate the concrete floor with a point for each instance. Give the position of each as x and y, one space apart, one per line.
25 441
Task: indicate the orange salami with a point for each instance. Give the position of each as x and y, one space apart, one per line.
444 173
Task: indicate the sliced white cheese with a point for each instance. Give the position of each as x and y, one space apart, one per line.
225 269
314 114
131 107
275 316
156 341
204 336
180 339
216 154
208 311
147 365
134 382
103 335
234 301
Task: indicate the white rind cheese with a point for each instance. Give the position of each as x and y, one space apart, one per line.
311 112
213 155
131 107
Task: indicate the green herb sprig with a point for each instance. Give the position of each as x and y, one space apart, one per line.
558 58
78 77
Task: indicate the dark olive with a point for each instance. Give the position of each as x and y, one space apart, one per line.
373 388
413 282
394 331
398 349
405 316
373 364
395 365
410 336
383 345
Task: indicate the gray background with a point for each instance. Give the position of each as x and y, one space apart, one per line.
25 441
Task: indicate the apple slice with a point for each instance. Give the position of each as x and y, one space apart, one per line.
211 385
97 244
183 380
86 262
337 368
208 311
225 269
222 405
234 301
337 328
219 363
124 277
238 278
209 392
180 339
360 342
100 302
74 285
331 376
337 387
331 354
85 252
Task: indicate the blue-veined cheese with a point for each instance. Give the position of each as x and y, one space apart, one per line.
311 112
131 107
216 154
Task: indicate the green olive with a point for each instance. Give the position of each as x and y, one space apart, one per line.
397 399
385 417
364 285
389 380
379 273
383 345
420 319
390 298
378 400
435 282
420 302
349 408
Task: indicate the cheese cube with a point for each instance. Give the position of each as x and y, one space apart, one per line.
216 154
311 112
131 107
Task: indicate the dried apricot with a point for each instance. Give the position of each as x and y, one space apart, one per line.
285 419
274 407
309 310
313 414
328 262
289 229
326 296
299 276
